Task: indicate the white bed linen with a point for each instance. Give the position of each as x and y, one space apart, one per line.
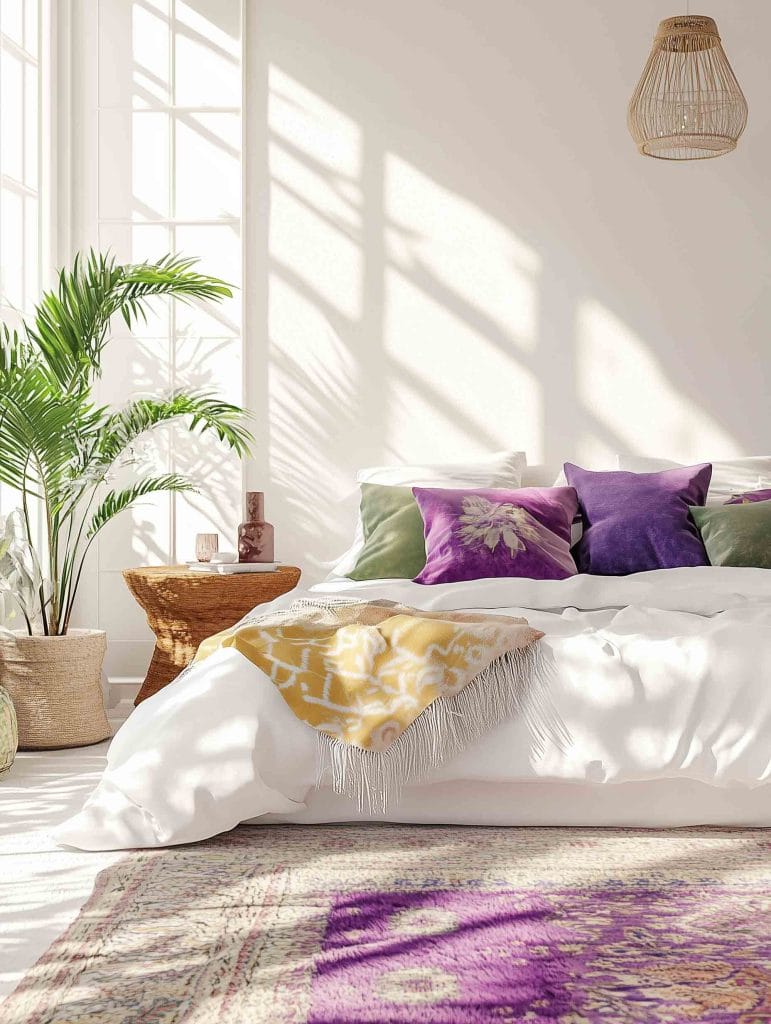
665 675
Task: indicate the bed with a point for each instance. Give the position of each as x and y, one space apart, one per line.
661 681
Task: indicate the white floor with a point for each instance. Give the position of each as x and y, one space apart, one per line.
42 885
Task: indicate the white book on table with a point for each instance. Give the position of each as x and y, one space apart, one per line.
227 568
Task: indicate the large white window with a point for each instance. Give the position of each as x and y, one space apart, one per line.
24 154
21 142
168 156
156 142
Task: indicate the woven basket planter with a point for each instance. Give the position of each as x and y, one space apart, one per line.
9 734
55 683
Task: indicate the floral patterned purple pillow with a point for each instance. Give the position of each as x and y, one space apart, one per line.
479 534
749 496
634 522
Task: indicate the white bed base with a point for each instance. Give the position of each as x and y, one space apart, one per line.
665 803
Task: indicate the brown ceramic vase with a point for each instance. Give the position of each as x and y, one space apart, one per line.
255 536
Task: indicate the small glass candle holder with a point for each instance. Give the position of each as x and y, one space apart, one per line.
206 545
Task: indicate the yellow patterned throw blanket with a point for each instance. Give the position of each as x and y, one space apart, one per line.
393 691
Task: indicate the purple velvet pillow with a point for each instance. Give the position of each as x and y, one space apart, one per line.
634 522
479 534
749 496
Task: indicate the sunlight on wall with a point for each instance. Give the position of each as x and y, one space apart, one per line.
312 403
453 392
311 221
594 452
315 300
401 318
486 271
458 312
334 196
316 252
319 131
635 405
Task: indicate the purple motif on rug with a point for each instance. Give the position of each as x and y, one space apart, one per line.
438 957
465 957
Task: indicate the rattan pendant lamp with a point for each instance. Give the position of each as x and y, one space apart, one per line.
688 104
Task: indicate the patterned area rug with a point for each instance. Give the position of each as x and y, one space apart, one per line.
397 924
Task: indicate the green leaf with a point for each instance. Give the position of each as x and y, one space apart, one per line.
38 430
202 409
71 323
116 501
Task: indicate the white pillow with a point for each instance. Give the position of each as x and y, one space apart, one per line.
729 476
502 469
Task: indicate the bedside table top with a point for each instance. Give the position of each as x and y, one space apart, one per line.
182 594
159 573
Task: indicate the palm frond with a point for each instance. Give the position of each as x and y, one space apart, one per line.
116 501
71 323
37 439
171 275
204 411
14 352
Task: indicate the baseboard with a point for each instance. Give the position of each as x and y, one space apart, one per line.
127 658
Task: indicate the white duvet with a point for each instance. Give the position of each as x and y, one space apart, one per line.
661 675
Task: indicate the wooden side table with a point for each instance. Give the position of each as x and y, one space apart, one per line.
183 608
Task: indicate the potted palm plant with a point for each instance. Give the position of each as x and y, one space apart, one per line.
59 449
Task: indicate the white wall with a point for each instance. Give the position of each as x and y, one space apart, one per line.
450 246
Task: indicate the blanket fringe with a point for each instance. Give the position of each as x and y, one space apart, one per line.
517 683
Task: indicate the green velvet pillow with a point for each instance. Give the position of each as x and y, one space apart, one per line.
394 546
736 534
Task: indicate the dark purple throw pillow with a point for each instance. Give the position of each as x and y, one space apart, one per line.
479 534
634 522
750 496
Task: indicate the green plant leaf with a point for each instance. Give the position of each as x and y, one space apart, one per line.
71 323
203 410
116 501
